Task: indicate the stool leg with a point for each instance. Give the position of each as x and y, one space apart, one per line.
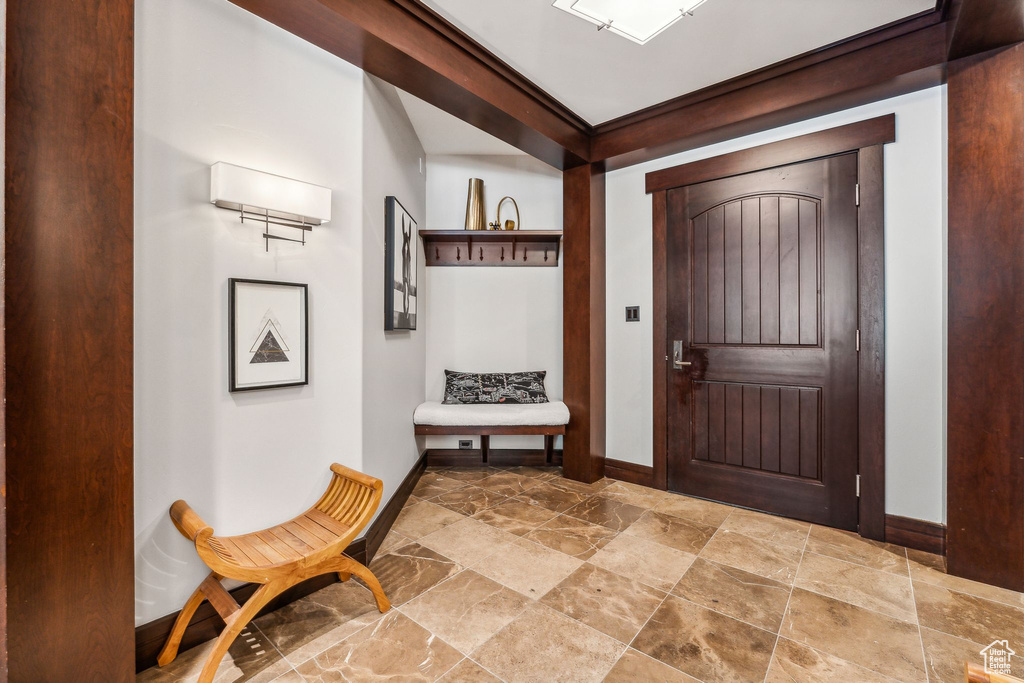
344 576
235 623
170 649
348 565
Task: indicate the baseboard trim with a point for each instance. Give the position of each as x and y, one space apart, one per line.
500 457
629 471
916 533
207 624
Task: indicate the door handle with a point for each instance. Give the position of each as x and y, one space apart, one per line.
677 355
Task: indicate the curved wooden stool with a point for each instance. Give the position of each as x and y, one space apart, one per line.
278 558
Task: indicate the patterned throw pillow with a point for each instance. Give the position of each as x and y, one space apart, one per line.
494 387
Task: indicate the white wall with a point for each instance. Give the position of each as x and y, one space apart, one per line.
493 319
213 82
393 362
915 196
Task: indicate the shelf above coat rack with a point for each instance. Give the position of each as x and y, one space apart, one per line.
492 247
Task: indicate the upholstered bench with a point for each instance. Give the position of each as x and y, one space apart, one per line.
485 420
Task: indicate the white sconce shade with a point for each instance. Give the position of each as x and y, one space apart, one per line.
638 20
255 192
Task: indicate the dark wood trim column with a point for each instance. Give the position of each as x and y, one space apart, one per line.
985 410
68 303
583 321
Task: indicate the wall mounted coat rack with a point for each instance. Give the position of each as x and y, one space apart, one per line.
492 247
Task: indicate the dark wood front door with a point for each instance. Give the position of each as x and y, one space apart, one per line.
762 327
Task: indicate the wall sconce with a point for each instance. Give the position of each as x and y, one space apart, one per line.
270 199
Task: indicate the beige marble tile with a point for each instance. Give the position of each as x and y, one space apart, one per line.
410 570
545 646
705 644
508 483
529 568
735 593
634 494
796 663
945 655
606 512
845 545
634 666
968 616
468 671
770 560
859 585
675 532
289 677
552 496
424 518
470 474
469 500
651 563
614 605
312 624
466 610
251 658
928 568
541 473
435 483
392 541
768 528
574 485
572 536
694 509
468 541
515 516
869 639
393 648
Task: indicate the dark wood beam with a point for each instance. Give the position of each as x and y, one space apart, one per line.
413 48
886 63
985 415
583 329
981 25
68 336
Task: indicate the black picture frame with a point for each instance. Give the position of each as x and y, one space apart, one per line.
406 235
234 385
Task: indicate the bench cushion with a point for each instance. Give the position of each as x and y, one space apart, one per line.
483 415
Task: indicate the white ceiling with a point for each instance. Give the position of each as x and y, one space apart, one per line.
601 76
441 133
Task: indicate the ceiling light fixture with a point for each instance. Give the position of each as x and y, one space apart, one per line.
638 21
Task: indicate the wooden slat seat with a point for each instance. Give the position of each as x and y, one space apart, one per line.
277 557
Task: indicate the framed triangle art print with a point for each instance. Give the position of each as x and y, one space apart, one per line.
268 334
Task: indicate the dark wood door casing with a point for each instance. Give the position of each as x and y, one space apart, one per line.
985 410
762 285
866 138
68 339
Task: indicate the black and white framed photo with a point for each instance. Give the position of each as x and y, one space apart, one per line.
400 237
268 334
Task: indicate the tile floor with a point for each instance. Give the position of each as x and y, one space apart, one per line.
516 574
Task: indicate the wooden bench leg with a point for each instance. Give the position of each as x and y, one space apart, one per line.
485 446
235 623
549 447
349 566
170 649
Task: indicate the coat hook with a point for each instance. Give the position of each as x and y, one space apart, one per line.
503 253
524 254
481 253
458 253
545 254
437 254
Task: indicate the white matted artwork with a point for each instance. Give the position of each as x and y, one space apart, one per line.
268 334
400 292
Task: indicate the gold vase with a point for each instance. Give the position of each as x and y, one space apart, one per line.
475 219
